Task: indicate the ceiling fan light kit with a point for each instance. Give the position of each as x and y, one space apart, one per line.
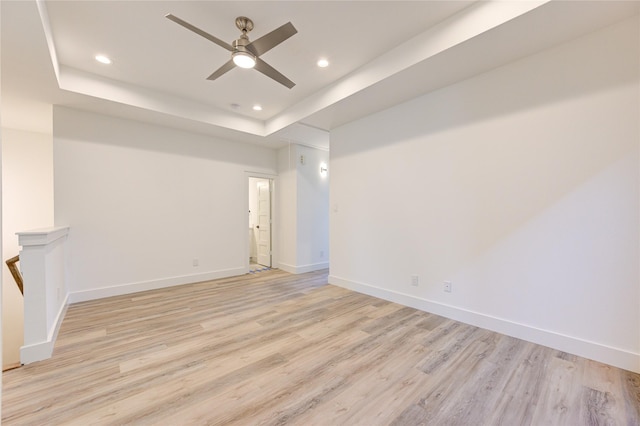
244 59
241 56
245 53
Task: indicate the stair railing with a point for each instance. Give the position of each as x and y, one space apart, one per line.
11 263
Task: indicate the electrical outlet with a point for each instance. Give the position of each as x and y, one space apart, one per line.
414 280
447 286
195 262
321 253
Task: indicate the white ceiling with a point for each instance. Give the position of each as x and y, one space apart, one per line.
381 53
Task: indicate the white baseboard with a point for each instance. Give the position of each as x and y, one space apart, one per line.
117 290
43 350
36 352
584 348
302 269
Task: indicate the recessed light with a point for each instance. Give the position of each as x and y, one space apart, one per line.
103 59
257 108
323 63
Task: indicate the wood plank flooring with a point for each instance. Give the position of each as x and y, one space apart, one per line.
274 349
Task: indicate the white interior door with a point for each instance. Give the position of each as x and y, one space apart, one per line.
264 224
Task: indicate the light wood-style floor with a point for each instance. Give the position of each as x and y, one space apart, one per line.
274 348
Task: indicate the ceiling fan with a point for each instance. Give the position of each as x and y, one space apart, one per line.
245 53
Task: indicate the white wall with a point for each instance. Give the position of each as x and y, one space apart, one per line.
520 186
143 202
286 201
313 210
27 191
304 209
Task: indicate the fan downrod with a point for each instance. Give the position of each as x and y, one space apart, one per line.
244 24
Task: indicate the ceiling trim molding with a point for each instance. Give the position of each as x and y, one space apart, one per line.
116 91
46 26
464 25
470 22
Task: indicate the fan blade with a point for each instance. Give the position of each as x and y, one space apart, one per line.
223 69
271 72
199 32
271 40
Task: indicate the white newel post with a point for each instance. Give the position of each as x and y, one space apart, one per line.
42 264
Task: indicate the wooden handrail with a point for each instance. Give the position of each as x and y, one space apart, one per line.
11 263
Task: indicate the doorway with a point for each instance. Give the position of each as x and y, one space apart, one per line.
260 229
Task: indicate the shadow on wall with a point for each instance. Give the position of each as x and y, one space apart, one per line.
491 153
68 123
528 83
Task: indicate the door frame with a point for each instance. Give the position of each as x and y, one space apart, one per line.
274 240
